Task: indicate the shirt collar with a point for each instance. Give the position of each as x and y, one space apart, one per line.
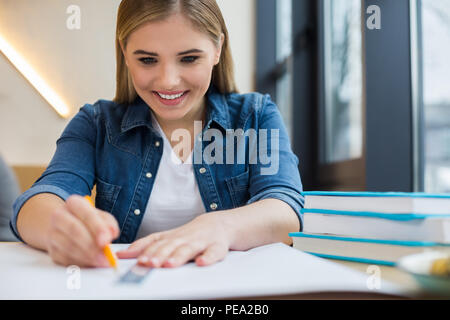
217 111
139 114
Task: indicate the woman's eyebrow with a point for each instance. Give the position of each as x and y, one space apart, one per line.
179 54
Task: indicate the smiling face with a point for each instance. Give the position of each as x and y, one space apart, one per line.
170 63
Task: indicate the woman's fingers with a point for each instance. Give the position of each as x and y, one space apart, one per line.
70 243
157 254
182 255
201 239
89 216
71 238
137 247
154 255
214 253
111 222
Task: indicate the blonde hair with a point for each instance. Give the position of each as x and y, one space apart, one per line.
205 16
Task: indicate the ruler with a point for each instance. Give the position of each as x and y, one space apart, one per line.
135 275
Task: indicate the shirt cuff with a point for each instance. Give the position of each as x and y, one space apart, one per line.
292 198
20 201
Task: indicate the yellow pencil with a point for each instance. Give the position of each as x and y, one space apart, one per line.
106 250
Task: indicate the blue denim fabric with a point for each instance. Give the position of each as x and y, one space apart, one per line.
115 147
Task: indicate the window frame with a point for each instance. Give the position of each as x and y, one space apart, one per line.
392 157
395 170
303 63
347 174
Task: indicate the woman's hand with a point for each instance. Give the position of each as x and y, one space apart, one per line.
205 239
79 232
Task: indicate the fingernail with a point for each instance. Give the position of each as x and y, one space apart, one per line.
143 259
155 262
203 260
114 232
171 261
102 239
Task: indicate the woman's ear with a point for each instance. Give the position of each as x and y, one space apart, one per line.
219 51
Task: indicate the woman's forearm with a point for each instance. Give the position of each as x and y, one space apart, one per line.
33 220
263 222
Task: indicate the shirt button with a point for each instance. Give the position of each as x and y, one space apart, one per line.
202 170
213 206
137 212
148 175
157 143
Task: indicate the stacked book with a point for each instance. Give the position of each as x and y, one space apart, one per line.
373 227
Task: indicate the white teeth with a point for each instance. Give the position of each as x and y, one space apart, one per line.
170 97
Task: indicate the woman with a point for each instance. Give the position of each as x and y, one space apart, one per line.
9 191
176 202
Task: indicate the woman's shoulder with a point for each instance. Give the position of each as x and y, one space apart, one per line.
103 107
108 112
240 107
253 101
104 115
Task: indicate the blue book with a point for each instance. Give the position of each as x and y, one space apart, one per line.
383 252
381 202
377 225
378 215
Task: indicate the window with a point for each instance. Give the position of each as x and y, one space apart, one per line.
286 69
283 57
343 80
370 107
434 34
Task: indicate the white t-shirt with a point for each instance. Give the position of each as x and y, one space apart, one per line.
175 198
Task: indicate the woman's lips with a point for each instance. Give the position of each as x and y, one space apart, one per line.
171 102
170 93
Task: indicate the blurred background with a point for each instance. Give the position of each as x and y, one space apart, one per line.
364 87
367 108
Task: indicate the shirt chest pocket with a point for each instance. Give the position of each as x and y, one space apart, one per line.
106 196
238 188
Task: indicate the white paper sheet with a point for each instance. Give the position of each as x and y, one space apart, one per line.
270 270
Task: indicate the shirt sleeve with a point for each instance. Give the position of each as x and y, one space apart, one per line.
72 168
274 171
9 192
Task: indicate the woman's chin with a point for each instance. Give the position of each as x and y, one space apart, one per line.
169 113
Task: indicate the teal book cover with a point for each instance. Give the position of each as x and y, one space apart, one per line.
376 259
376 194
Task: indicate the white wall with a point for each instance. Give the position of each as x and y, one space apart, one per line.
79 65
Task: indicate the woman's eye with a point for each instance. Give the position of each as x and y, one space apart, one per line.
147 60
189 59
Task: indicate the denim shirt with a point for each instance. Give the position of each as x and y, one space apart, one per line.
115 147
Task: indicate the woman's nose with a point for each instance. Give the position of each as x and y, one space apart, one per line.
169 76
